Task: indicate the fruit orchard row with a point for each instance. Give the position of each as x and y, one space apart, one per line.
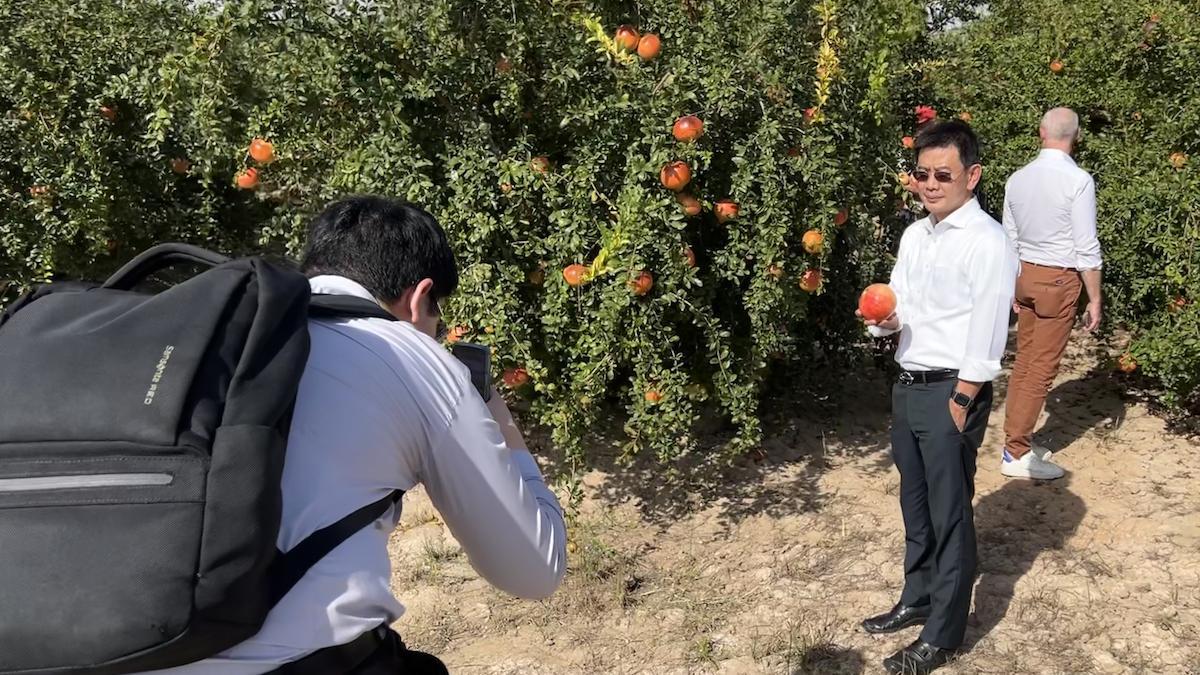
652 209
649 208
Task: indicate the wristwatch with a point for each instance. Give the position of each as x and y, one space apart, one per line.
962 400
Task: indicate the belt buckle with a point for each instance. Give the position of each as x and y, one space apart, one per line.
906 378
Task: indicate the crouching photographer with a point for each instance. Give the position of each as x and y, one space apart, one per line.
382 407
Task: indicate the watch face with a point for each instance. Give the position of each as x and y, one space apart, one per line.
962 399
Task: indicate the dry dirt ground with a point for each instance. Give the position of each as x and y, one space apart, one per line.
768 567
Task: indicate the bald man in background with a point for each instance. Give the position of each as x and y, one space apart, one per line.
1050 214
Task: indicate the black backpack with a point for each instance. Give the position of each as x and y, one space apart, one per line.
142 441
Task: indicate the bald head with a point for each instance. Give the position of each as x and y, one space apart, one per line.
1060 129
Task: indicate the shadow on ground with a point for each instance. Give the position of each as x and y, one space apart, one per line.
1015 525
1077 406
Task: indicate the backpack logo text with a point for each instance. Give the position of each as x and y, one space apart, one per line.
158 374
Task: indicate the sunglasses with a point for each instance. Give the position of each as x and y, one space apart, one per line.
921 175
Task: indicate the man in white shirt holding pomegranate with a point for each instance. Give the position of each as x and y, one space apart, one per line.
953 281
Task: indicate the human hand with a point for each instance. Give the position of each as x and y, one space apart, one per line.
1092 316
890 323
959 415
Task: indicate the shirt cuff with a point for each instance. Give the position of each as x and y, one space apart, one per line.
879 331
975 370
1084 264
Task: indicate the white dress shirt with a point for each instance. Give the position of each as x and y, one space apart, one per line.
382 407
954 283
1050 212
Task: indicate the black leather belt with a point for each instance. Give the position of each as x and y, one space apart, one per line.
911 377
338 659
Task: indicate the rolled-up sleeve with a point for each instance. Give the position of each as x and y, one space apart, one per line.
1083 227
993 276
497 505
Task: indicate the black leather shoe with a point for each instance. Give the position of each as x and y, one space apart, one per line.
919 658
901 616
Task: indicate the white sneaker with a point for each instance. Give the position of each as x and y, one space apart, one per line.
1029 466
1041 451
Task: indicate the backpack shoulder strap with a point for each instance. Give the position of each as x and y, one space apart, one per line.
330 306
289 567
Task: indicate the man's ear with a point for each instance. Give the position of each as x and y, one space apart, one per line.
973 175
414 302
400 306
419 300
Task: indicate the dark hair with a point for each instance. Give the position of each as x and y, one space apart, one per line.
387 245
950 134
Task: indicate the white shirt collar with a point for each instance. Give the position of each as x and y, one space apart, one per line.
333 284
961 217
1054 153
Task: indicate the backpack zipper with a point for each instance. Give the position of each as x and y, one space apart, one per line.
82 482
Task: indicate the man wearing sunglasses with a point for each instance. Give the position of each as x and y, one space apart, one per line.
953 280
1050 212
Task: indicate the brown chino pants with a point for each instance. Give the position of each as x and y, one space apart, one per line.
1047 298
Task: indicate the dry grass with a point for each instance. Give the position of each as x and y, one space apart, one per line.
803 646
703 651
430 564
436 634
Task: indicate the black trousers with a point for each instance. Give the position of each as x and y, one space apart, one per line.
937 483
379 652
394 658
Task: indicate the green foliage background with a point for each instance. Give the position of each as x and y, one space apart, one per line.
447 102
